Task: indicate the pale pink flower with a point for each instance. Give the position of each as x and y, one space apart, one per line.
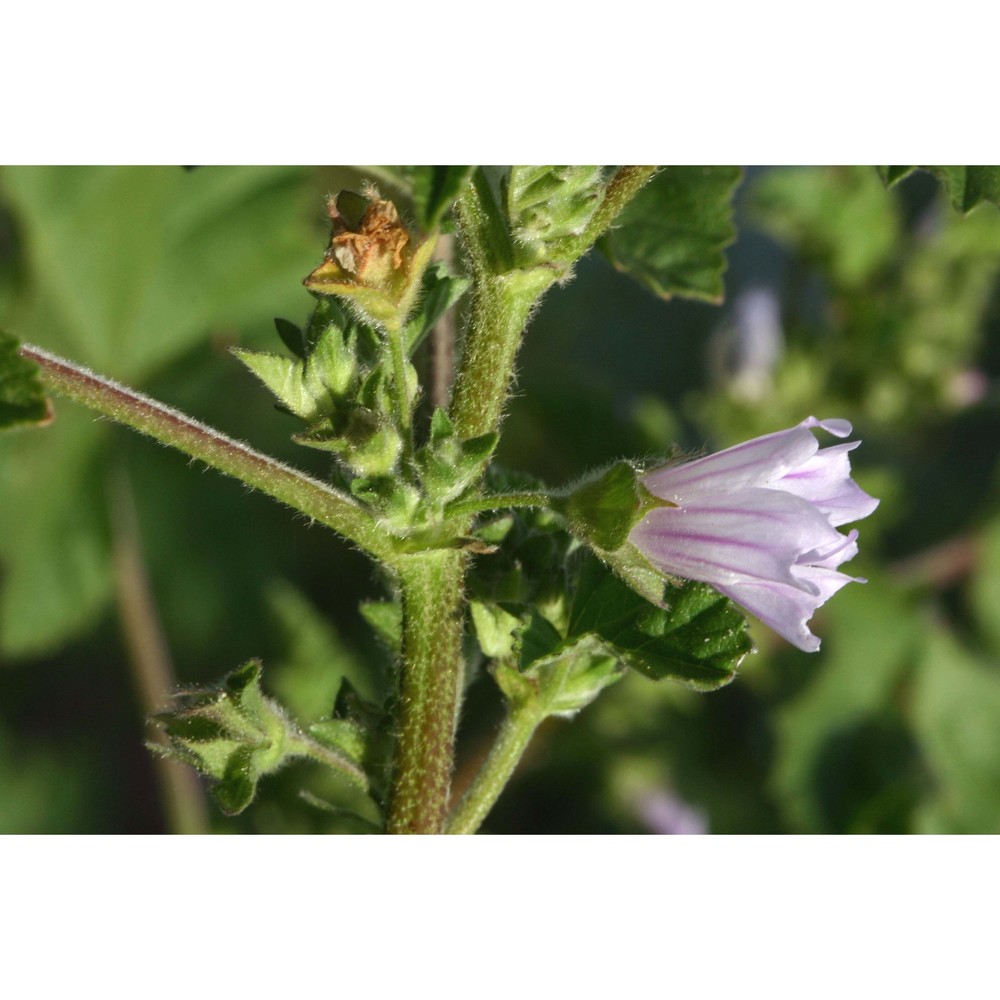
759 523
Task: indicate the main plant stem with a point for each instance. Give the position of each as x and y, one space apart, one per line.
432 582
431 585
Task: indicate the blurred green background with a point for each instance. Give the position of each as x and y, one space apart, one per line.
843 299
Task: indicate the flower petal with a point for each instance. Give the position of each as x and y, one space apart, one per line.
759 462
825 480
787 609
752 534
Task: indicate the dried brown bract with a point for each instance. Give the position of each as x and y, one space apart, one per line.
371 245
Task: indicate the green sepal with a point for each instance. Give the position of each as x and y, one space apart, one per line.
497 631
966 187
672 234
448 466
22 398
442 427
387 305
601 511
604 508
283 377
311 387
238 784
435 189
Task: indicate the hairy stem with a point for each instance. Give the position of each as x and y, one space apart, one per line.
515 734
430 685
501 307
171 427
621 189
499 501
301 745
404 404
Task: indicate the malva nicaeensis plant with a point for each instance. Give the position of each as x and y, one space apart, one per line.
563 590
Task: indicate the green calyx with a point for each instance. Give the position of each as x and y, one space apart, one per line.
235 735
601 511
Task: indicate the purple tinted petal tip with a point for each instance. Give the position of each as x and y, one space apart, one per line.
833 425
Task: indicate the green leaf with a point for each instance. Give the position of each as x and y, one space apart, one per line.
871 638
672 235
985 586
315 660
956 708
125 270
129 266
56 564
435 190
699 637
839 218
22 398
966 187
386 618
892 175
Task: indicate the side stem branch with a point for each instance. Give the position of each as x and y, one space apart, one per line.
176 429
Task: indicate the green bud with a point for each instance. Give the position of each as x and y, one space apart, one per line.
379 453
235 735
564 683
448 465
312 387
497 630
549 209
231 733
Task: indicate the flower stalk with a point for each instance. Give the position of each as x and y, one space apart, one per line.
516 732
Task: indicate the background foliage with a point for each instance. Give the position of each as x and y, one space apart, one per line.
843 297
